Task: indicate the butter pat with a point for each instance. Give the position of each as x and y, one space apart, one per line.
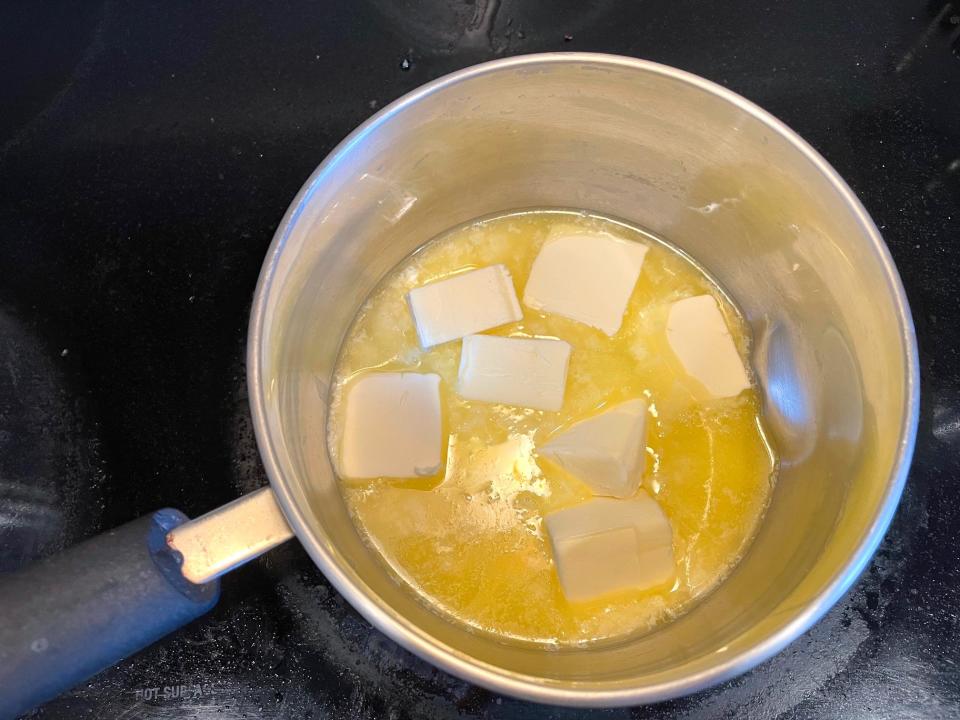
585 277
529 372
504 469
607 452
699 338
392 426
606 545
464 304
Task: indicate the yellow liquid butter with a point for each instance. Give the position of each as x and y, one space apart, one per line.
471 541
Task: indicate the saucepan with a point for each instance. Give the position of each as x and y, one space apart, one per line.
833 348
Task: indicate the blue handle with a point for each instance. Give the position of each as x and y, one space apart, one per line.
73 615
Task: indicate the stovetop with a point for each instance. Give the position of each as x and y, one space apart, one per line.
147 153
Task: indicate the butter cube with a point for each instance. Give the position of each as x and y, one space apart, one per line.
606 452
699 338
464 304
606 545
585 277
504 469
529 372
392 426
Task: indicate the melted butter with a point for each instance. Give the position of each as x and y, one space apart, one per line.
470 540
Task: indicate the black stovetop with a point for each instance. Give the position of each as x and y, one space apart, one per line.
147 152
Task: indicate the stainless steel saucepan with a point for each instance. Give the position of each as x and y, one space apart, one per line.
834 349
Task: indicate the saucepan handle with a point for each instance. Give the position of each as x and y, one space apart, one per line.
71 616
